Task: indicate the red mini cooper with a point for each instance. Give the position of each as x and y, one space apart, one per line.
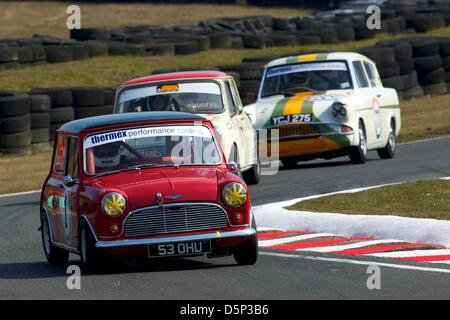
151 184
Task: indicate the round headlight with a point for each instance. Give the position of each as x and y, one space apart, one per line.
234 195
113 204
339 110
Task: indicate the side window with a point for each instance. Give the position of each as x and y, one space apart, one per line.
59 154
235 92
371 73
71 168
361 79
230 100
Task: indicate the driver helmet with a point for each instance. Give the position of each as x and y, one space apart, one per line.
298 79
107 155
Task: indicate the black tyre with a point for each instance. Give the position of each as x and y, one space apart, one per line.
40 120
58 53
388 69
163 49
13 140
92 259
40 103
252 175
80 52
61 115
424 48
406 66
54 255
433 77
289 163
12 104
109 96
60 97
40 135
89 33
414 92
358 154
247 252
96 48
92 111
83 97
435 89
388 151
427 64
15 124
185 47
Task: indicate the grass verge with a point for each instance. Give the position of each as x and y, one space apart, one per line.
420 199
23 18
26 173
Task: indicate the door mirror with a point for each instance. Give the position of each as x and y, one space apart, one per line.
69 181
233 166
239 109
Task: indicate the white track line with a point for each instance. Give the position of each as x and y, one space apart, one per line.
349 261
274 242
267 229
441 261
18 193
411 253
350 246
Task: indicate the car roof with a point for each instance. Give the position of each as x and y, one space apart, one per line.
182 75
321 56
124 118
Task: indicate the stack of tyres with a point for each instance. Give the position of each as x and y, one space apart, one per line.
40 121
61 110
15 134
91 102
428 64
9 57
400 74
444 51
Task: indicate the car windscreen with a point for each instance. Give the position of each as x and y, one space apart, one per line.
193 97
154 146
309 76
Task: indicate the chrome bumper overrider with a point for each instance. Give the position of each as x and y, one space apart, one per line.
193 237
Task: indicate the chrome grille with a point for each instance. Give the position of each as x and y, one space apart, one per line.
175 218
298 130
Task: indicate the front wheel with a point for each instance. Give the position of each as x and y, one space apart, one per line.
358 154
92 259
247 252
253 175
54 255
388 151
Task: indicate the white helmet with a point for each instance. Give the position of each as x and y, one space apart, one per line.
107 155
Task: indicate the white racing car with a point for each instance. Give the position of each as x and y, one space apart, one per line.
211 94
327 105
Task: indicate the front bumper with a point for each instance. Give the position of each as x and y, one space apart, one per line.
161 240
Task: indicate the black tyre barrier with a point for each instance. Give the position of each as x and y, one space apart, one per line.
40 135
55 53
40 120
40 103
83 97
62 114
15 124
13 140
433 77
406 66
435 89
12 104
60 97
414 92
91 111
427 64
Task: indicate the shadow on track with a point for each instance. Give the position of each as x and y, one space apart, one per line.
40 270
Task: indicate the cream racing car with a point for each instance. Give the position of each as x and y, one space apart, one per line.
326 105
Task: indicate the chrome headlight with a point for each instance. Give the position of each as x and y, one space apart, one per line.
234 195
339 110
113 204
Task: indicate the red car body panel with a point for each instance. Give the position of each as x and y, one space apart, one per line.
65 207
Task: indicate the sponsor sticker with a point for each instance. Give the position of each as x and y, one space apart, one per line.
304 67
167 88
121 135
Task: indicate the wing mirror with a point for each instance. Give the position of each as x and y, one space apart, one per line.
233 166
69 181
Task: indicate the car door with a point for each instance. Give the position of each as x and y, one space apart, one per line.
369 109
54 191
71 169
238 123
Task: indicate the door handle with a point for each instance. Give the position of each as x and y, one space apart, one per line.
379 95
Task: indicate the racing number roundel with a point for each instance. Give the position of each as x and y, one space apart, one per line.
377 117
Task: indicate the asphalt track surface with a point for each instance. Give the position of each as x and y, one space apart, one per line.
24 273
